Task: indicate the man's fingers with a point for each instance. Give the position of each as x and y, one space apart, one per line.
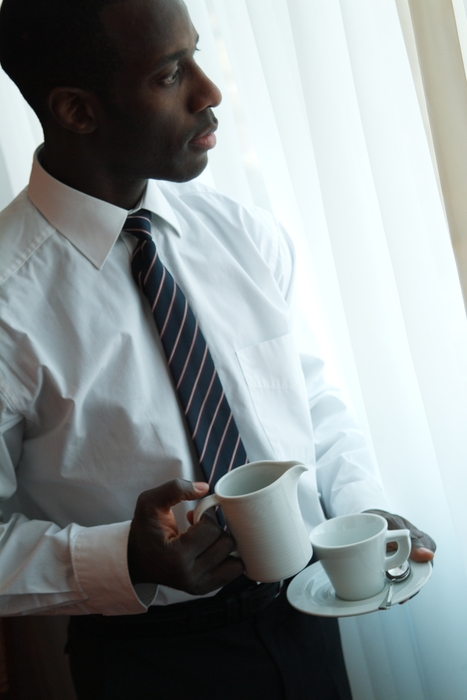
197 561
228 570
170 493
210 548
204 535
423 546
421 542
421 554
213 566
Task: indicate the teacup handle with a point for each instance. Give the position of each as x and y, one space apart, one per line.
397 558
203 505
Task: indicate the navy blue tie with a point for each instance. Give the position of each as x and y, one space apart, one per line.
210 420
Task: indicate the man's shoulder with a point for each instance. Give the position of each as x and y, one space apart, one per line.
244 230
210 203
22 230
199 196
194 188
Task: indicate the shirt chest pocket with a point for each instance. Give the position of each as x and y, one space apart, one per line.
276 384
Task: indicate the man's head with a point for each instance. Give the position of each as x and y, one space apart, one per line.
47 43
121 74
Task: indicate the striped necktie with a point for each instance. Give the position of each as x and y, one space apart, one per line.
211 423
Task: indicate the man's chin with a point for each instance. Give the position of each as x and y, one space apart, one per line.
187 172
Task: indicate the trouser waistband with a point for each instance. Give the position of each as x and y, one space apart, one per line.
198 615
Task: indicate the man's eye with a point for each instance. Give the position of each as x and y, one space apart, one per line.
171 78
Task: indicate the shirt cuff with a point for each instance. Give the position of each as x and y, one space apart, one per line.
99 556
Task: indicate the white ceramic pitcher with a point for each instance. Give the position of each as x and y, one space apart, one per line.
260 504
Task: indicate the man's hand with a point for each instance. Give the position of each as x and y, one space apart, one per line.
196 561
423 547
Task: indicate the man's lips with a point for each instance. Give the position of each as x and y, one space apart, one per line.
205 138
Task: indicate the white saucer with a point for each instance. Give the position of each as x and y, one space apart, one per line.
311 592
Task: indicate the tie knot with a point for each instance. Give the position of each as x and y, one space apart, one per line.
139 224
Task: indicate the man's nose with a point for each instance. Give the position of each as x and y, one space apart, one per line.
205 92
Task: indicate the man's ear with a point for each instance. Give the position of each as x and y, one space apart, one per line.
73 109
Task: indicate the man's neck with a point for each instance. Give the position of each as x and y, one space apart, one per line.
92 180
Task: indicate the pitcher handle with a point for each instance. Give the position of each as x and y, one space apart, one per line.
203 505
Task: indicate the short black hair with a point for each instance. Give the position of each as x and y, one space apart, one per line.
52 43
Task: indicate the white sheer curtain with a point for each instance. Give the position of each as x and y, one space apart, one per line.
20 133
328 134
320 124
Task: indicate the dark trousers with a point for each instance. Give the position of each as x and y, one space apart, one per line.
275 653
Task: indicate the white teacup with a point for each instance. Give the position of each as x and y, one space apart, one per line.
260 506
352 551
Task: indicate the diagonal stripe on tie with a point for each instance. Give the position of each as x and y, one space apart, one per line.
208 414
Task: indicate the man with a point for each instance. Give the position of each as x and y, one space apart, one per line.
94 419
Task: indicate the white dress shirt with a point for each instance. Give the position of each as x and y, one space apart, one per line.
88 414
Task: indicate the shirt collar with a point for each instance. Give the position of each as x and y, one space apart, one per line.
90 224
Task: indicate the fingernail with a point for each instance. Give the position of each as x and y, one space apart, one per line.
200 485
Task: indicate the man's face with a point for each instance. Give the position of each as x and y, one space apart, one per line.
158 121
